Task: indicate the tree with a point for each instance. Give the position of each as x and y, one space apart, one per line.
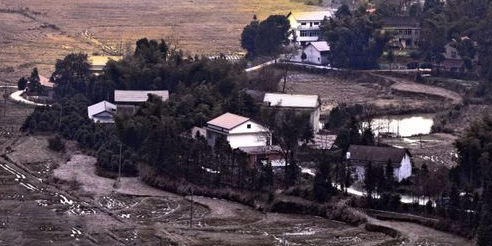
71 75
22 83
354 40
348 135
484 236
389 176
34 84
370 181
303 56
272 33
248 37
267 37
288 127
322 187
391 58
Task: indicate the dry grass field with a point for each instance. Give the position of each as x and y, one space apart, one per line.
50 29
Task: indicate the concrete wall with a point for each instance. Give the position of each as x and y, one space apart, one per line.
313 56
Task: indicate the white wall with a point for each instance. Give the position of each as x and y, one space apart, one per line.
315 119
248 140
248 134
314 56
405 169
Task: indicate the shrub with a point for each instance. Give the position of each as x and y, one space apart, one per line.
56 143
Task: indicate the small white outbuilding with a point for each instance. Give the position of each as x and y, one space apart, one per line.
317 53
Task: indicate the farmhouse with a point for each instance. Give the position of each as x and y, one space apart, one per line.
453 62
406 31
317 53
238 130
305 25
97 63
127 100
300 103
359 156
102 112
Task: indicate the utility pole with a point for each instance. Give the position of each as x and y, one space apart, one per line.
5 101
191 208
119 164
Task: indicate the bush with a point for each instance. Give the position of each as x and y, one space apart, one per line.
56 143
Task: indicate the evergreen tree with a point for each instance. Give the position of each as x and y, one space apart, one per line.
370 180
389 176
22 83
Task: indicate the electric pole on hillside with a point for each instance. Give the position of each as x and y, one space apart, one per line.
5 96
191 208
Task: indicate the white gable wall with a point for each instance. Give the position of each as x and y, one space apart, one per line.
405 169
314 56
248 134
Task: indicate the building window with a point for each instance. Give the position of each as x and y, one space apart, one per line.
453 54
303 23
316 23
248 126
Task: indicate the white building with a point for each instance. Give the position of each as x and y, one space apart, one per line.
102 112
306 25
238 130
359 156
301 103
317 53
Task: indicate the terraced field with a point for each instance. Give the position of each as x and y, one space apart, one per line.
48 30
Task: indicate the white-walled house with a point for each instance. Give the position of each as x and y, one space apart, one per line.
317 53
305 25
301 103
238 130
359 156
102 112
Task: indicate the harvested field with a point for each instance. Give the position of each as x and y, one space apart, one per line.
393 97
50 29
71 209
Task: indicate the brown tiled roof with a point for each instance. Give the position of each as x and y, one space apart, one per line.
228 121
377 154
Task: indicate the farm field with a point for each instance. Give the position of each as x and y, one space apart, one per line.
36 33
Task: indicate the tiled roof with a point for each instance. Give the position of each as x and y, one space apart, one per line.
228 121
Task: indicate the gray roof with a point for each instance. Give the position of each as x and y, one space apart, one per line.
377 155
228 121
320 46
291 100
137 96
100 107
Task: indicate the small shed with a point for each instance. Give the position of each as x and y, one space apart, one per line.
317 53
